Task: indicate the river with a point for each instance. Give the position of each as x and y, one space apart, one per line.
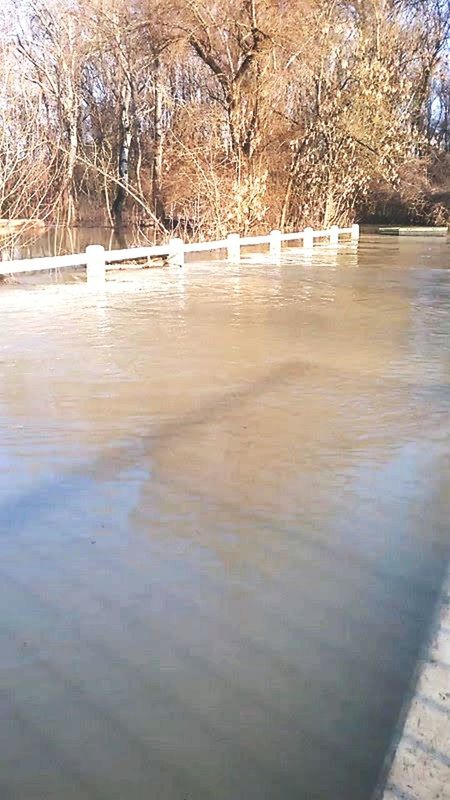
224 517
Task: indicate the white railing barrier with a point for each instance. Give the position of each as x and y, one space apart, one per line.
308 238
131 254
202 247
95 258
292 237
176 252
334 234
95 265
275 244
13 266
234 248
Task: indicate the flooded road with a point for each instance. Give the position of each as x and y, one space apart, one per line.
224 508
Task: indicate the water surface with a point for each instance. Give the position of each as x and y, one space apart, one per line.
224 523
58 240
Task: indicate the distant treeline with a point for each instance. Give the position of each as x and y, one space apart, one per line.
237 115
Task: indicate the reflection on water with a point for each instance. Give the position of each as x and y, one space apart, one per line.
224 516
56 241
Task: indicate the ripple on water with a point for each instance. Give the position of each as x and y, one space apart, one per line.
223 523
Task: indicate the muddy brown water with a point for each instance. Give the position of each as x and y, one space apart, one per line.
224 523
58 240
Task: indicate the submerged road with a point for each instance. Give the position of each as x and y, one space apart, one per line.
223 524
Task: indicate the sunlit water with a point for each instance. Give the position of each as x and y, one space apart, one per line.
224 514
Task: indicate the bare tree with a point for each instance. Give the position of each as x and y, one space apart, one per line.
210 117
52 40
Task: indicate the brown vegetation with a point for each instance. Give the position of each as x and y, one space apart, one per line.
210 117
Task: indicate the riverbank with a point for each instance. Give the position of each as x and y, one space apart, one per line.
420 769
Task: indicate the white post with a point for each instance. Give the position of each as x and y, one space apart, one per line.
308 238
275 244
334 234
355 232
95 265
176 252
234 248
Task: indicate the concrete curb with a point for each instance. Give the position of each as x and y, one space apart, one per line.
419 766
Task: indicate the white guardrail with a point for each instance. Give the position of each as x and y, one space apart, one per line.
96 258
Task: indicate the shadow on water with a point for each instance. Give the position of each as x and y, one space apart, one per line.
330 561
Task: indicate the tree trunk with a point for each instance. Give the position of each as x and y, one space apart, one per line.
293 173
158 204
329 213
70 199
124 158
286 202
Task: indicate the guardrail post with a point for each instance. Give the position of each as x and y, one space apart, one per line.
176 252
334 234
308 238
275 244
355 232
234 248
95 265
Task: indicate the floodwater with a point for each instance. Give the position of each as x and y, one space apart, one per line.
59 240
224 515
